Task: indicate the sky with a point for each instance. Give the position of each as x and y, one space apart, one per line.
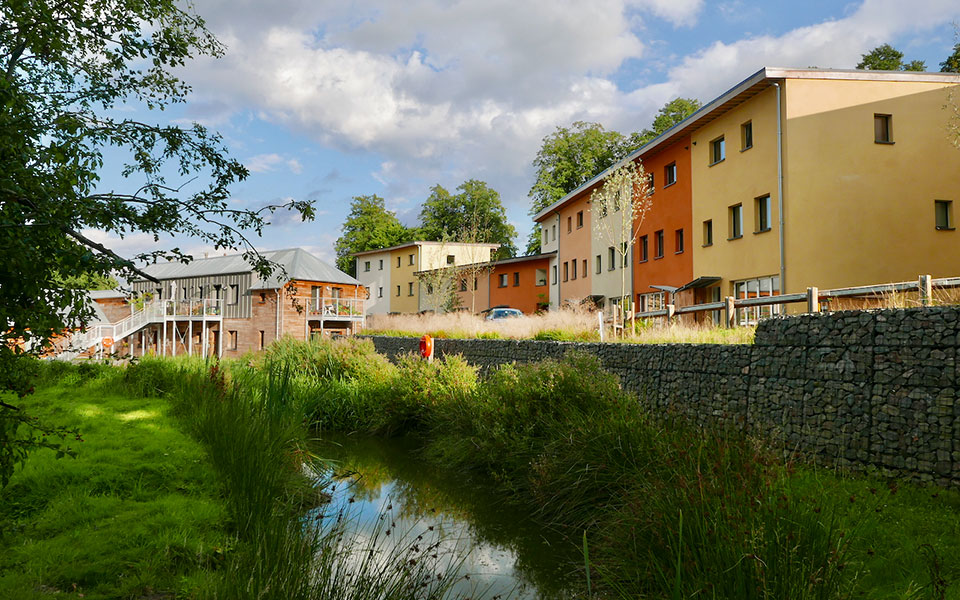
326 100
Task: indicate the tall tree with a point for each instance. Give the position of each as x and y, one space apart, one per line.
368 226
570 157
475 214
63 67
887 58
952 63
669 115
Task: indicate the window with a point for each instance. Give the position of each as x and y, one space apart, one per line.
584 267
234 297
366 266
516 278
541 277
474 284
398 262
651 182
451 259
553 232
624 255
599 264
398 291
708 232
746 136
611 258
380 292
555 275
643 249
409 288
381 264
736 221
463 285
658 244
944 213
566 271
546 234
569 224
883 129
573 274
429 289
762 211
263 297
678 241
580 220
411 258
503 280
753 288
718 150
231 340
650 302
670 174
262 338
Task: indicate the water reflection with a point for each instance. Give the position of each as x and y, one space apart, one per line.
412 507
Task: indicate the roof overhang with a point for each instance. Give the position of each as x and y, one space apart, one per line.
699 282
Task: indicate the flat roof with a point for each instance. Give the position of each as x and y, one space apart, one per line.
740 93
426 243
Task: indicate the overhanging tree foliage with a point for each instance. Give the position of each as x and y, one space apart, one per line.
64 67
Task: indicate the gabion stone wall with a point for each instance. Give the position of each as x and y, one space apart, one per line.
854 388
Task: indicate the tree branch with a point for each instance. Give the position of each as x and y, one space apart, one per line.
101 248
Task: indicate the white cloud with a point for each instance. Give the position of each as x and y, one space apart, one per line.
678 12
295 167
263 163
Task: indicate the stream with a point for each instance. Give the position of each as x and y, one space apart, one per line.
389 494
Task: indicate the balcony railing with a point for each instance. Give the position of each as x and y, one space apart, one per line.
336 308
209 307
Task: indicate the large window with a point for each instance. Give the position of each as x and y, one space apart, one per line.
736 221
670 174
541 277
650 302
883 129
944 213
658 244
760 287
762 210
718 150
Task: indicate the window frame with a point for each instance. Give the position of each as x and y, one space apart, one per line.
644 247
580 220
715 144
409 289
947 224
612 257
670 174
707 233
735 217
658 244
366 266
501 280
746 136
763 207
887 120
599 264
678 241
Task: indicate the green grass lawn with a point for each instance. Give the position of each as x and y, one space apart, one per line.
136 515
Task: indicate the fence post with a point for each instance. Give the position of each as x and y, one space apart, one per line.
729 312
926 290
671 311
813 300
600 320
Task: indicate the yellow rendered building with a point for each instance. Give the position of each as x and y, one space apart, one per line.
827 178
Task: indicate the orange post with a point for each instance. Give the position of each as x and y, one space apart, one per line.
426 347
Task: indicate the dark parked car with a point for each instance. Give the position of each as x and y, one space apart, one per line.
496 314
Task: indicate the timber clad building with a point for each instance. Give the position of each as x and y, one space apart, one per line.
220 306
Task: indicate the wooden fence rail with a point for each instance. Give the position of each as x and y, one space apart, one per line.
813 297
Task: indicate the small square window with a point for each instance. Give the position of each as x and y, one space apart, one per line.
746 136
643 249
502 280
736 221
708 232
718 150
451 259
411 258
678 240
366 266
658 244
764 222
944 214
580 219
883 129
670 174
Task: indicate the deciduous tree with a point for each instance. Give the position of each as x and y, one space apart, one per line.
368 226
474 215
887 58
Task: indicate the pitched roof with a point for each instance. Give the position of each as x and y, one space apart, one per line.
297 262
739 93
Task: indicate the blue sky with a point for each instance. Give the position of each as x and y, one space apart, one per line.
328 100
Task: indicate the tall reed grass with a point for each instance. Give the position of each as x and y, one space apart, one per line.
669 510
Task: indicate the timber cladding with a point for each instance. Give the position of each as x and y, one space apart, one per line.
857 389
